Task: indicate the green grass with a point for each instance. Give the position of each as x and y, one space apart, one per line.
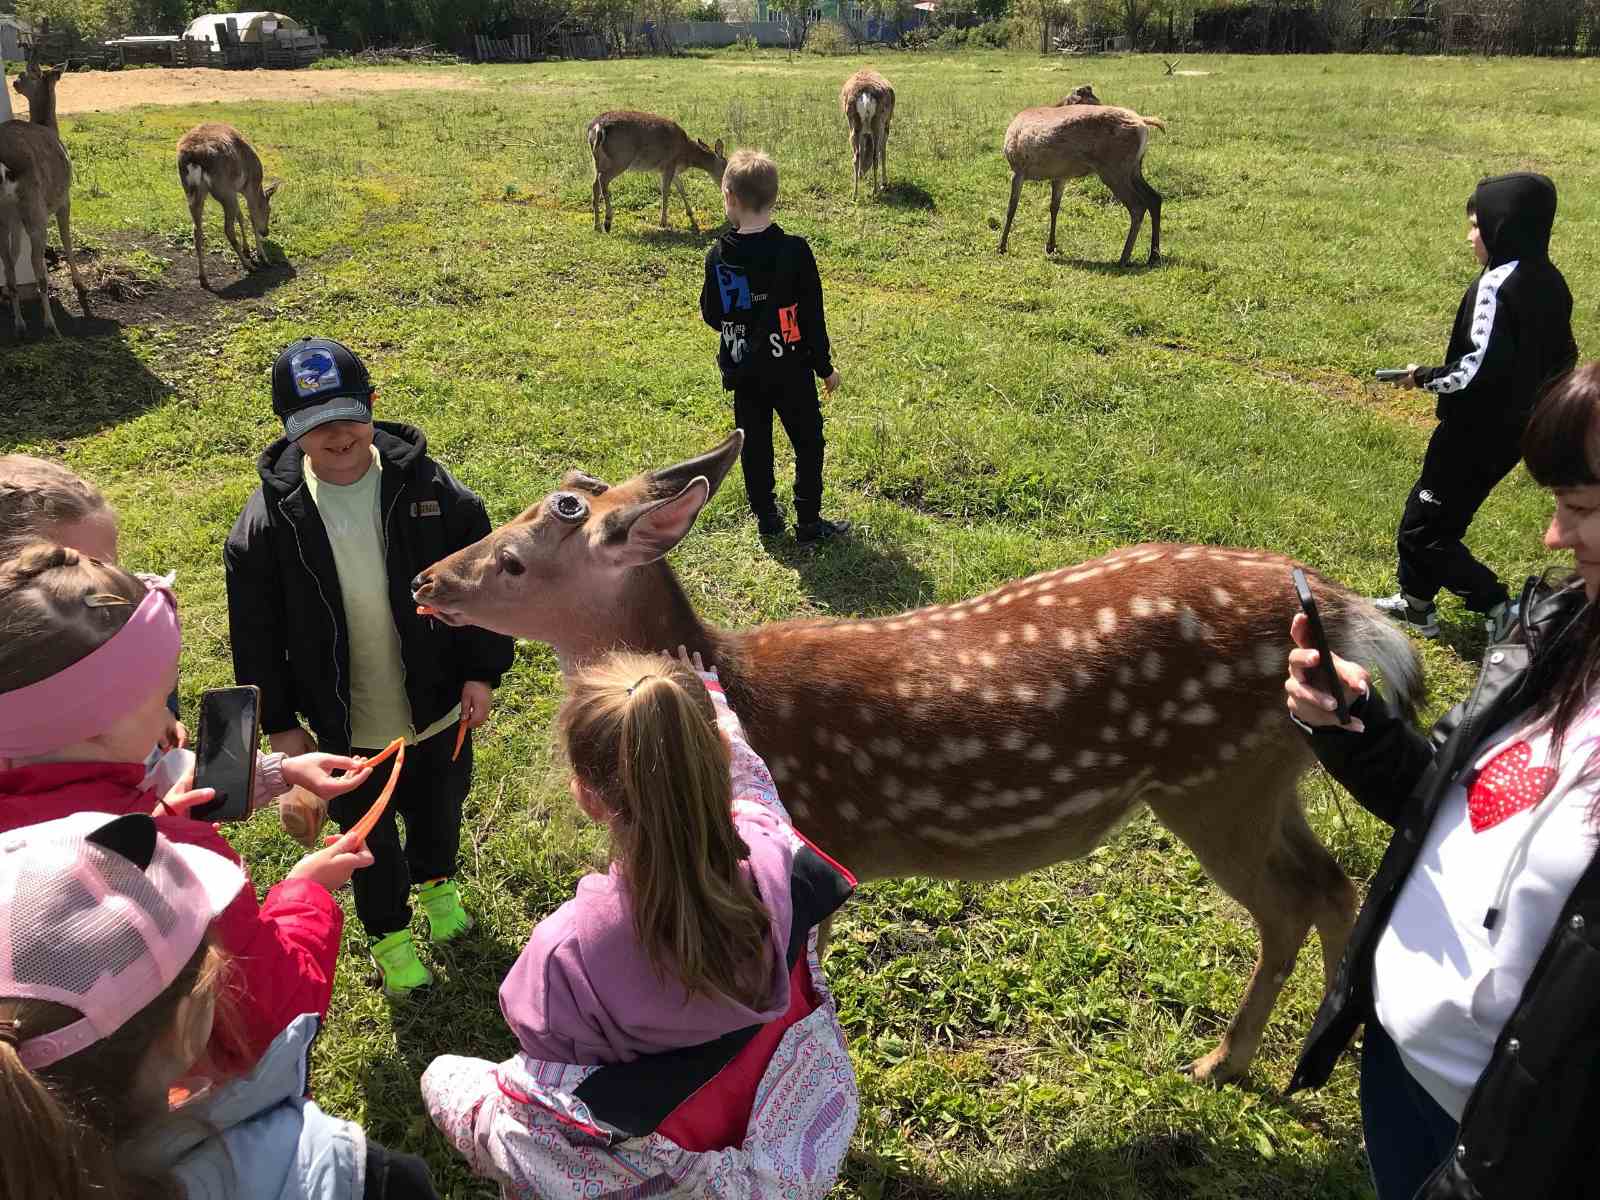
998 416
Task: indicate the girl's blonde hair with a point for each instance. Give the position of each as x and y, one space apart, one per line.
69 1127
641 733
38 497
56 607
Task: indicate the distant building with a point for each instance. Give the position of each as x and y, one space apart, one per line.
824 10
13 30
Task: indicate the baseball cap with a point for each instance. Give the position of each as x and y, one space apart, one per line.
101 913
316 380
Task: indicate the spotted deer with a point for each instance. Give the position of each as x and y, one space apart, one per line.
636 141
868 103
215 160
35 183
981 739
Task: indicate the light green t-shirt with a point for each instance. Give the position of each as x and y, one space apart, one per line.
353 517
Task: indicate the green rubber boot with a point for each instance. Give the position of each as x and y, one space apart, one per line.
441 903
397 961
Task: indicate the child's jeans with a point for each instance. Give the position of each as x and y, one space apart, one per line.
429 796
794 399
1407 1134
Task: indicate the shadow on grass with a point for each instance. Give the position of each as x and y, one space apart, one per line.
906 195
1151 1164
1101 267
852 577
657 236
257 283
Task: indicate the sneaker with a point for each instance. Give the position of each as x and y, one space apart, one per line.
397 961
770 524
441 904
819 531
1500 620
1419 616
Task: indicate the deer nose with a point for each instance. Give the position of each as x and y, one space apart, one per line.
418 583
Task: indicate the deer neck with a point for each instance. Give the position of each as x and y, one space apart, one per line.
649 613
42 109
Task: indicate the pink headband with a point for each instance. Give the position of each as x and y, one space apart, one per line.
95 692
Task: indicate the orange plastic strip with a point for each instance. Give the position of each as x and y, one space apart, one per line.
461 737
369 821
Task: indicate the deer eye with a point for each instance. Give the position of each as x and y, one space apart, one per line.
569 506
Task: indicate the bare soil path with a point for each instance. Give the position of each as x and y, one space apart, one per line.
107 91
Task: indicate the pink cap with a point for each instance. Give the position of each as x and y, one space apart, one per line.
100 913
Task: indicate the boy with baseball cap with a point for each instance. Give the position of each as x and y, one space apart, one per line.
319 568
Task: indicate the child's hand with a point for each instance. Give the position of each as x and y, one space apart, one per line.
1307 700
176 736
477 699
831 383
333 866
292 742
314 772
183 796
693 662
1409 379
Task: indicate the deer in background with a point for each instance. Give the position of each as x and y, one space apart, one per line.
1077 137
636 141
35 182
215 160
868 104
981 739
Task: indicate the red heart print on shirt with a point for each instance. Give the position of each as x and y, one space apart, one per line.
1507 786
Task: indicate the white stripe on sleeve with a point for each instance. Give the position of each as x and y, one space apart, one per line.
1483 315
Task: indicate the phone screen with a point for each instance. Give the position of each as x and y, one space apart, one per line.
226 760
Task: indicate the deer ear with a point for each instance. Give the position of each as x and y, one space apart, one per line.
268 192
713 466
717 149
646 532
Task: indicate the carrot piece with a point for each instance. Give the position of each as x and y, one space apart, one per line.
461 737
391 748
424 610
370 818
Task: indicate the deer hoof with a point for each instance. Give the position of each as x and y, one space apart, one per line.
1213 1069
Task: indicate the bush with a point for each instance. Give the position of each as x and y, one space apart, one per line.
827 37
707 10
991 35
951 39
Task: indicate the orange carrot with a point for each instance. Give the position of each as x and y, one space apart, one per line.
369 820
424 611
461 736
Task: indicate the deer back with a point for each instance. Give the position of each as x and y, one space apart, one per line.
34 167
225 160
869 83
1074 139
639 141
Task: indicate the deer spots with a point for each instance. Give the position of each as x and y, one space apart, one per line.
1055 696
1150 667
1106 620
1030 634
1008 598
1222 596
1003 638
1109 734
1190 690
1044 601
1088 759
1024 693
1015 741
778 770
938 614
1200 714
903 688
986 660
1041 752
989 695
1219 675
958 615
1190 627
985 607
1227 752
1139 724
936 635
889 747
1269 658
847 811
862 761
1062 775
890 787
1118 702
1140 606
1160 738
1067 639
799 809
958 684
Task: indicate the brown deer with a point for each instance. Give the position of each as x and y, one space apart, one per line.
868 103
1080 136
636 141
982 739
215 160
1083 94
35 182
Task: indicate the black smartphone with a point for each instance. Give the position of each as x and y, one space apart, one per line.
1390 374
1319 639
230 734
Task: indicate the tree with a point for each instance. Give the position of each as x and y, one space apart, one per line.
796 18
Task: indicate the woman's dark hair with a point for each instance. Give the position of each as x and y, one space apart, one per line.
1561 448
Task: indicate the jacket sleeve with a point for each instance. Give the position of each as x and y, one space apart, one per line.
1485 375
462 1097
812 319
750 778
710 308
256 626
283 953
480 654
1379 766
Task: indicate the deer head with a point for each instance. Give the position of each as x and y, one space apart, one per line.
1078 95
583 563
36 84
719 159
260 205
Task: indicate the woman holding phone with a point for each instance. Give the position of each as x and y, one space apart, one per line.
1475 962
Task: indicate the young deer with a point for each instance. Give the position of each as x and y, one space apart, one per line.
868 104
1080 136
35 182
636 141
215 160
982 739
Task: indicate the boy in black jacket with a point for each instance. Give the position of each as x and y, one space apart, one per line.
1512 335
319 568
763 294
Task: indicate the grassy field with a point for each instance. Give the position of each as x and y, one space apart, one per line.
998 416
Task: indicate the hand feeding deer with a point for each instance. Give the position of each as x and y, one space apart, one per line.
981 739
1081 136
868 103
636 141
36 181
215 160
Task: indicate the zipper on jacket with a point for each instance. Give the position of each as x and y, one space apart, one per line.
388 540
338 683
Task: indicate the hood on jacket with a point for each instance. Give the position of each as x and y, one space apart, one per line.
751 250
1515 214
282 464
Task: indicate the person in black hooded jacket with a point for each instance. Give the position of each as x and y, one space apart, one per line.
1512 335
763 294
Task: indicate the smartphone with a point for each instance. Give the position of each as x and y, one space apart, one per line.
230 734
1390 374
1319 639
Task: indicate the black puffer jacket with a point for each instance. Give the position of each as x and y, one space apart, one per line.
1513 328
1529 1126
763 294
285 611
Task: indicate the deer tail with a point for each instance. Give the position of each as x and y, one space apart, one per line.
597 135
1154 123
194 176
1359 632
866 106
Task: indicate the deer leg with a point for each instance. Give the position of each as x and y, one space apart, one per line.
64 226
1011 209
1132 199
595 196
666 190
36 244
197 214
1057 186
10 247
231 217
684 192
1152 200
855 161
605 188
883 159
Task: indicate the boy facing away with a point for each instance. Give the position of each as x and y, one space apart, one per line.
763 294
1512 335
319 568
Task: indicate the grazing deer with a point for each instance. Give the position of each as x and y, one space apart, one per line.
1080 136
982 739
215 160
636 141
868 103
35 182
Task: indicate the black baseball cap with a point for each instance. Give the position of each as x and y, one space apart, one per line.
316 380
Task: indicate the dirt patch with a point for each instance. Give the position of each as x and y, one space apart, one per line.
108 91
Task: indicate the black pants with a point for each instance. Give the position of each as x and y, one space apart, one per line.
1460 469
429 796
1407 1134
794 399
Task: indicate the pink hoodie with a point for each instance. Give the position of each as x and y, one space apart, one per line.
583 990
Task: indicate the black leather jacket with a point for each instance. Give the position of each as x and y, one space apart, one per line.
1532 1122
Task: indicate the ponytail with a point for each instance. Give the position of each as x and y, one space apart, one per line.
641 733
47 1154
56 607
37 498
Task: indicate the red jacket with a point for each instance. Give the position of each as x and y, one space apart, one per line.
283 950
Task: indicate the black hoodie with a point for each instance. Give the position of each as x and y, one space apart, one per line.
1513 330
286 616
763 294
